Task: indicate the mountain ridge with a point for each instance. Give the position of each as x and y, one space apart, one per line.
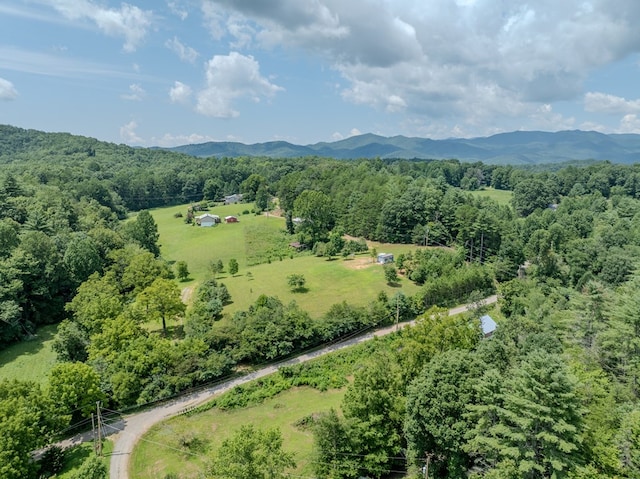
516 147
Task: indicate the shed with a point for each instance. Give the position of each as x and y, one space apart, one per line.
207 220
233 199
384 258
231 219
488 325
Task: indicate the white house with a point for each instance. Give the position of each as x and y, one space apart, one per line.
207 220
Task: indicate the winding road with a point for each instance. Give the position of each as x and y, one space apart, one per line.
128 431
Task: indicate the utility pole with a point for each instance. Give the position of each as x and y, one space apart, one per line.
425 469
93 430
481 245
99 444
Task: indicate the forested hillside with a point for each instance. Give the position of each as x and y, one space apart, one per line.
553 394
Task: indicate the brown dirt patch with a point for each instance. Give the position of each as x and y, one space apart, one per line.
358 263
186 294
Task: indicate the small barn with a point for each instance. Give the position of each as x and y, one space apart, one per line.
384 258
207 220
488 326
231 219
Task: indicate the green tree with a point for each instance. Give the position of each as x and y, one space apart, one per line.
182 270
334 448
537 423
92 468
27 421
390 274
8 236
142 270
262 198
436 403
296 281
82 258
530 195
374 403
97 301
629 443
233 266
251 454
70 342
317 213
160 301
144 231
75 389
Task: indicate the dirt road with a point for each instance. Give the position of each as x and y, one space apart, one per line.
127 432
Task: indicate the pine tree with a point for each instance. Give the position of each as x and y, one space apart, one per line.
534 423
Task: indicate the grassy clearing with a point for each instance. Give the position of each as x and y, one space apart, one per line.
502 197
356 280
30 360
163 450
199 246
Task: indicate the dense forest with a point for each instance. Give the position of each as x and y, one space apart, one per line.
553 394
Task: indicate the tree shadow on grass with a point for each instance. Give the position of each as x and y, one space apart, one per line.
394 284
301 290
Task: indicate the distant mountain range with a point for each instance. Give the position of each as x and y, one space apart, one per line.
515 148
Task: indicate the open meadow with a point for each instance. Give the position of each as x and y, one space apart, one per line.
182 445
356 280
502 197
29 360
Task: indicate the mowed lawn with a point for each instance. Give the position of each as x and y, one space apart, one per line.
162 450
29 360
356 280
502 197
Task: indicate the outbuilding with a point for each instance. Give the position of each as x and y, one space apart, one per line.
207 220
384 258
488 326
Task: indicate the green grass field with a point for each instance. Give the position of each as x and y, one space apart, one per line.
356 280
502 197
29 360
162 449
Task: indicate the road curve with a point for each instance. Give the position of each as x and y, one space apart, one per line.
127 432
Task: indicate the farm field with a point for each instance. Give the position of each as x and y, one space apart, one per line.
357 280
502 197
162 450
29 360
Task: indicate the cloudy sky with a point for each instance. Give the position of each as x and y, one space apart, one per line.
170 72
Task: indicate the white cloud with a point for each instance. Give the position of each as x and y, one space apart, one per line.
629 124
7 90
605 103
180 93
168 139
179 10
19 59
339 136
136 93
467 64
184 52
229 78
128 134
129 21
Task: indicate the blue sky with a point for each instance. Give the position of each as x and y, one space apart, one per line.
171 72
